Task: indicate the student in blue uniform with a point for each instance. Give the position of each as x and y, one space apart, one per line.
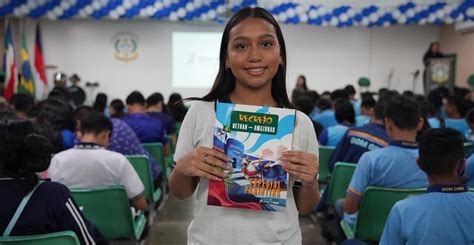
445 214
454 108
51 207
326 115
345 117
366 111
470 122
393 166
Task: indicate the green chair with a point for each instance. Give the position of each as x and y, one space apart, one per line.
374 209
157 151
325 153
468 147
340 180
109 209
178 127
56 238
143 169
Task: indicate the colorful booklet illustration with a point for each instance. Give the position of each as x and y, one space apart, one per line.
254 137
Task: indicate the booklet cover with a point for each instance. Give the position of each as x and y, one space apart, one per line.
254 137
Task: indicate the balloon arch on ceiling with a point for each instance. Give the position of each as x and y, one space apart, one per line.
371 15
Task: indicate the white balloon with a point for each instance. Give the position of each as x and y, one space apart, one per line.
221 9
448 20
321 10
440 14
135 2
422 22
203 17
40 2
303 18
373 17
198 3
150 10
410 13
211 14
431 18
343 18
142 13
324 23
96 5
166 3
58 11
51 15
402 19
313 14
290 13
24 10
365 21
282 17
104 2
299 10
173 16
448 9
31 4
127 4
460 18
65 5
386 24
334 21
120 10
181 12
470 12
88 10
396 14
158 5
418 8
113 15
17 12
351 12
189 7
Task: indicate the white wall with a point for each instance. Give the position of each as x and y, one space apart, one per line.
329 57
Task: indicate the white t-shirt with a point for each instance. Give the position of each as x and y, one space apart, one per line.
92 166
218 225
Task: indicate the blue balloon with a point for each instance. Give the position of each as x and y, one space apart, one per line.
318 21
327 17
454 14
358 17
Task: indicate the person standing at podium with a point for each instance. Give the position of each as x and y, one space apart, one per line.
434 51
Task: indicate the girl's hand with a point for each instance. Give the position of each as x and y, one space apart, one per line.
302 165
204 162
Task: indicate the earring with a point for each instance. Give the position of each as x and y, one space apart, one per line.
227 66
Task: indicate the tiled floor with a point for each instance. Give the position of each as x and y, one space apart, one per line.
172 222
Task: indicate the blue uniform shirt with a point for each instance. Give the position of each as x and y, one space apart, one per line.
357 141
432 218
469 171
326 118
457 123
434 122
356 104
362 120
332 135
168 122
147 129
393 167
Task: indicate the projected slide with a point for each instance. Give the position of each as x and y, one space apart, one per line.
195 59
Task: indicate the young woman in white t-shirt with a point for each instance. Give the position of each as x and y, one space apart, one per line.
252 71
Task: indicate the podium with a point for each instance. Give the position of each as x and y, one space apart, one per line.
441 72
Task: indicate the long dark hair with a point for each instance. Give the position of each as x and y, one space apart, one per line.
224 83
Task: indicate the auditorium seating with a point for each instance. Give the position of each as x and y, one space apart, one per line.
142 166
340 180
56 238
325 153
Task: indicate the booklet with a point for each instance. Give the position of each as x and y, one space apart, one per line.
254 137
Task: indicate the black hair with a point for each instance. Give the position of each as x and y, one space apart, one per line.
314 96
58 113
22 102
154 99
403 111
350 90
408 93
94 122
368 102
135 97
176 109
7 113
444 91
59 93
344 111
440 151
339 94
305 87
119 108
224 83
324 104
22 152
100 102
458 102
470 116
304 104
380 105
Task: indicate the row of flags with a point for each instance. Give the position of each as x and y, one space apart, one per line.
33 79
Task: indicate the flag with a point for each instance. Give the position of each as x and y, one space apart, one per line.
40 76
26 84
9 67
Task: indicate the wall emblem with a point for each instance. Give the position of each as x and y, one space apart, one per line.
126 47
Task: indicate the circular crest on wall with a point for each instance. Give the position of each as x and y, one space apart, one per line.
125 46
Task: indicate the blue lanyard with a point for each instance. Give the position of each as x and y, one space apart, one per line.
457 188
404 144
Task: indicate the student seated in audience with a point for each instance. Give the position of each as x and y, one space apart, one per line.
326 116
445 214
176 108
155 108
122 140
366 111
148 129
435 118
117 109
22 104
345 116
351 92
100 103
89 164
393 166
454 108
470 123
305 105
51 207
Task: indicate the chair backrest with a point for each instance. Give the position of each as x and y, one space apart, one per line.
157 151
56 238
142 166
468 146
340 180
374 209
109 209
178 127
172 143
325 153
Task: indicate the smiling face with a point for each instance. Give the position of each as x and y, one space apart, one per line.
253 53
